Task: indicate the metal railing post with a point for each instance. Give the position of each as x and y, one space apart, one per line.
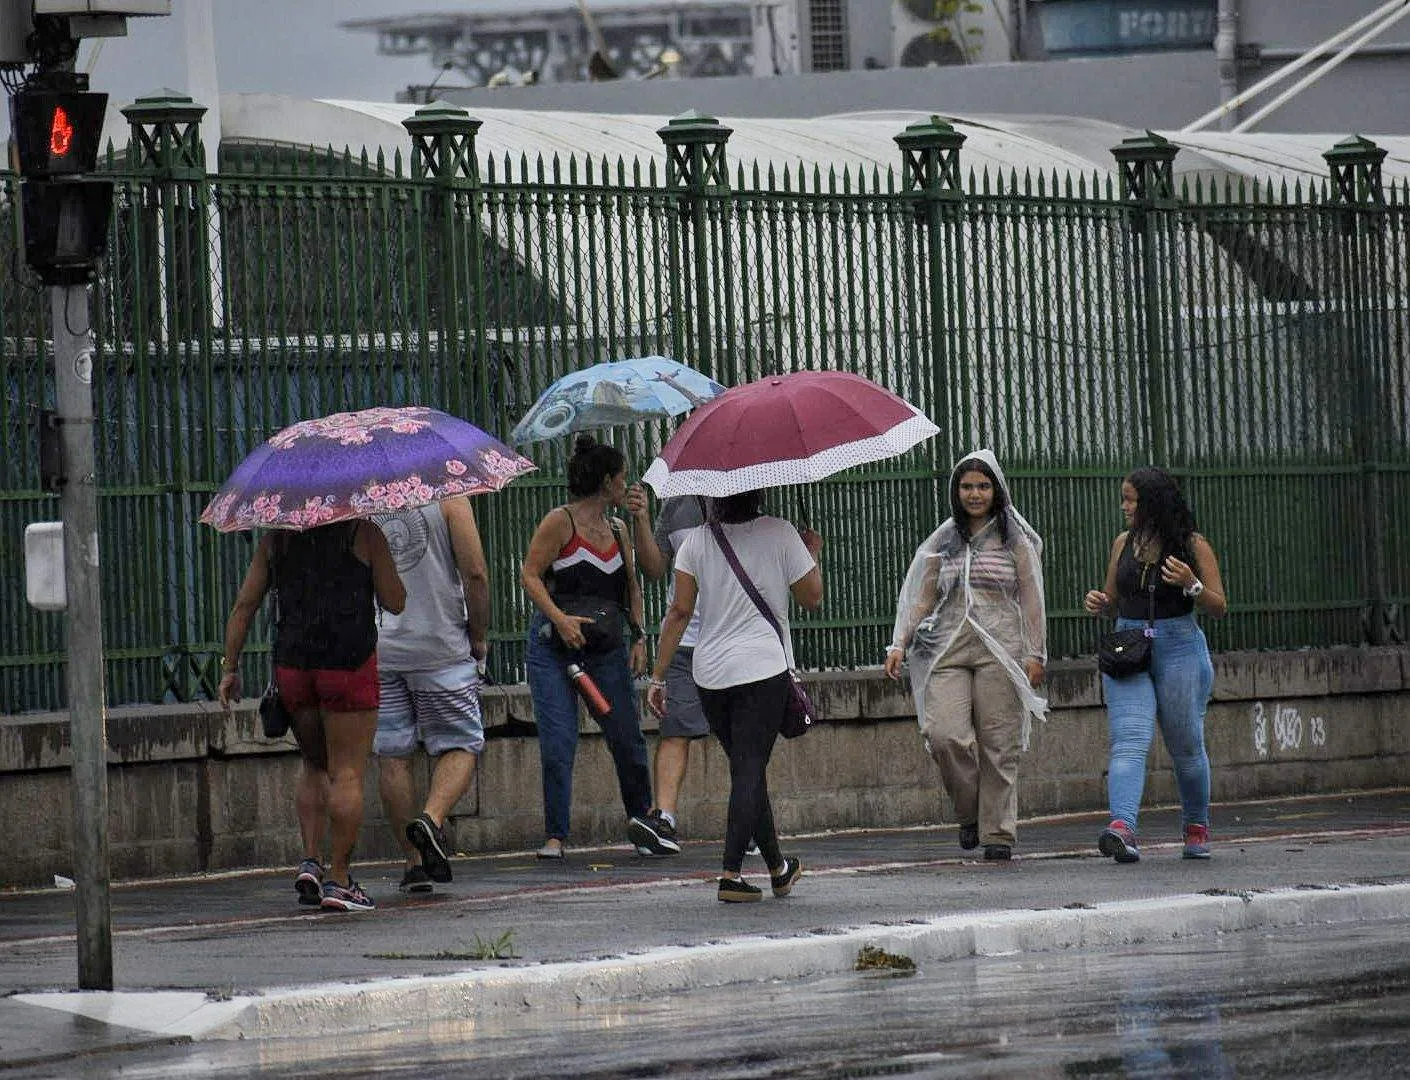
1147 171
172 204
443 153
695 166
1359 199
930 173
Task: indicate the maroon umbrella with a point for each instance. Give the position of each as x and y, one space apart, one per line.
786 429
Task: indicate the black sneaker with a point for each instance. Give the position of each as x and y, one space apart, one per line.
653 835
997 852
969 836
792 871
416 880
309 882
738 891
426 836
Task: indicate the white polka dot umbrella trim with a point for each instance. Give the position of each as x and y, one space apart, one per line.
719 483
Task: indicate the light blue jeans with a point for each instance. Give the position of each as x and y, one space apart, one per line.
1174 691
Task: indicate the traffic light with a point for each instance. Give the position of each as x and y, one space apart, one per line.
65 212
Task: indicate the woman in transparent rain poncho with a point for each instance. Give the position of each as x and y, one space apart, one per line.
970 625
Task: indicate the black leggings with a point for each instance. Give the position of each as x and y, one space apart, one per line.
746 719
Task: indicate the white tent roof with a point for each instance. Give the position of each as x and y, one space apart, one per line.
855 141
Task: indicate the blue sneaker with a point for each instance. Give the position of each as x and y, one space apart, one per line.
348 897
1119 841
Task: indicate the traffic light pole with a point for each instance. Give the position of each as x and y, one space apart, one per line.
73 371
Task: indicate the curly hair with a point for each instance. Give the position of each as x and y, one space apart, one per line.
590 466
1001 501
1161 510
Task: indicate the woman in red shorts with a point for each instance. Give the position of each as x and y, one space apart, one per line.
327 583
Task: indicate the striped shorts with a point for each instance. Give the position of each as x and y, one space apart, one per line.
439 709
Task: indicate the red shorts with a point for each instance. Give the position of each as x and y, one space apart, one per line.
330 690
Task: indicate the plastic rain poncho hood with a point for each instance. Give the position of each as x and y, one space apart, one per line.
936 601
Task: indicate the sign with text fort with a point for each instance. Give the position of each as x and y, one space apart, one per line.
1085 27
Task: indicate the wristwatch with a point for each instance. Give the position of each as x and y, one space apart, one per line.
1194 588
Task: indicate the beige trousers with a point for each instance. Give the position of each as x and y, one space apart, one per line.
972 726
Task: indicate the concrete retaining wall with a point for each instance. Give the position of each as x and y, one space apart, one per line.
192 788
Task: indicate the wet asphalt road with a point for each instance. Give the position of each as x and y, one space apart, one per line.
1305 1002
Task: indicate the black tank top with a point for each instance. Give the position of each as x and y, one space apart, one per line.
327 618
580 570
1132 579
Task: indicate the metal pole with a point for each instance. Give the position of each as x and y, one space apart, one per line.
73 376
1226 49
1335 62
1294 67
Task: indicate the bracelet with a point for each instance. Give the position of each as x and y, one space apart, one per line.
895 648
1194 588
661 683
637 633
228 668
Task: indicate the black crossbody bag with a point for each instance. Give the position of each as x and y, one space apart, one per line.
1123 653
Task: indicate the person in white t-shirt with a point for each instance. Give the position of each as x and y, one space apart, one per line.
740 666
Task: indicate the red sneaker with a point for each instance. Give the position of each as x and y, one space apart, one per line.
1118 840
1196 842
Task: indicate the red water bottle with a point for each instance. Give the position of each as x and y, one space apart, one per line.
595 700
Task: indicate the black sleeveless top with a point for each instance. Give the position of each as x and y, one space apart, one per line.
327 615
580 570
1133 577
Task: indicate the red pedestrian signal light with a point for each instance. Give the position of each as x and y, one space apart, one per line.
65 213
57 132
60 133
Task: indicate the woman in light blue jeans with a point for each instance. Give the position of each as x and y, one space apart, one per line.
1160 571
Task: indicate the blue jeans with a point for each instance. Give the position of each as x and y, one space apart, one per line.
556 714
1174 692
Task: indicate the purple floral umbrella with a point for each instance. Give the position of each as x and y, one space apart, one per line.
354 465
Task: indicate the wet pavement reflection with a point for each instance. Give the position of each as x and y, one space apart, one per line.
1306 1002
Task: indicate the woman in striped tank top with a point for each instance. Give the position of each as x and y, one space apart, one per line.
971 627
580 574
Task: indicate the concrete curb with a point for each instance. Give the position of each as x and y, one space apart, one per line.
337 1009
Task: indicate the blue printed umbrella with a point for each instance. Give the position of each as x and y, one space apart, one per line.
355 465
608 395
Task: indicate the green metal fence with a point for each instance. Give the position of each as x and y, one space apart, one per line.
1254 341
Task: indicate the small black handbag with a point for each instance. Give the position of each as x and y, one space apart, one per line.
1123 653
273 716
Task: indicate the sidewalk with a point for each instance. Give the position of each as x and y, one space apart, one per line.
234 955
